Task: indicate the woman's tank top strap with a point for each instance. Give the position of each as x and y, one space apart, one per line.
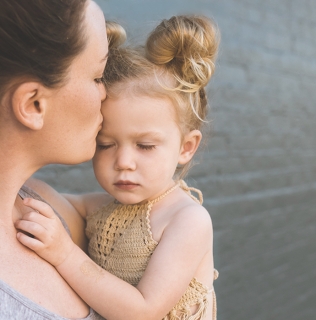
14 305
26 192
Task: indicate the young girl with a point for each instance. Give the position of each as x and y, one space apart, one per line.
150 231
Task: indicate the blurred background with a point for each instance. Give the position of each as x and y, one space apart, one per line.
258 168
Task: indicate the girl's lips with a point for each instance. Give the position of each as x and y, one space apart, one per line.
126 185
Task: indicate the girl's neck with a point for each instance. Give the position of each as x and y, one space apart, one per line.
165 193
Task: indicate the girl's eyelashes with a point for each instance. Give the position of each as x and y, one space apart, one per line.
146 146
140 146
105 146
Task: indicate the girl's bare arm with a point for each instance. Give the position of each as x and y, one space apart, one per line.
73 208
184 243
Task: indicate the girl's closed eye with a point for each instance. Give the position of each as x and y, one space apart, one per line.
104 146
146 146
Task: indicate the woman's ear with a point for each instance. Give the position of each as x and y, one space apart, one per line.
190 144
29 105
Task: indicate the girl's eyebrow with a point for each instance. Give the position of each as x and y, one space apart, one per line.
153 134
145 134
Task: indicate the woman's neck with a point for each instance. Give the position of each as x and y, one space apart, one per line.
14 171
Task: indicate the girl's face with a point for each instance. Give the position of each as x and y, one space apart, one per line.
138 148
74 117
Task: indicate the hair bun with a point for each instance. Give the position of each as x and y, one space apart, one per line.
187 46
115 33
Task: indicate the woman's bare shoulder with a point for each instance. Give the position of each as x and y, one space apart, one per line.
48 193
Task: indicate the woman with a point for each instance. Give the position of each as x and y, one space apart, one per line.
52 57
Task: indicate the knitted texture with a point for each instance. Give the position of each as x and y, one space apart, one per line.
121 242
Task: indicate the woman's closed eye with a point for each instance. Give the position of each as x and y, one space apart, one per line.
99 80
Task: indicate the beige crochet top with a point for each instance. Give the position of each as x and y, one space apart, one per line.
121 242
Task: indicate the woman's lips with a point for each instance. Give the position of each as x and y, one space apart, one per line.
126 185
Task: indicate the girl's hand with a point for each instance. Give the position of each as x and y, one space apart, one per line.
50 239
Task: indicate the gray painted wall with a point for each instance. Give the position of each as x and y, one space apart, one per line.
258 170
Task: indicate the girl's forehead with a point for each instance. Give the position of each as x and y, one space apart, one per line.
155 84
130 98
135 112
139 109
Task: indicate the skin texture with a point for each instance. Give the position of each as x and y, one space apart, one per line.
45 126
182 227
138 148
77 104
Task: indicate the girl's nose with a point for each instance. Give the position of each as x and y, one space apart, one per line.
125 160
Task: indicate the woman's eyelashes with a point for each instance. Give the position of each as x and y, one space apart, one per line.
99 80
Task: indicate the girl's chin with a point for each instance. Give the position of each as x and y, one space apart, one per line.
130 201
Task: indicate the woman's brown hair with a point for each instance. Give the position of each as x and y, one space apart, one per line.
39 39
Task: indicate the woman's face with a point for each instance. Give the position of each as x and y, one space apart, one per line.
74 115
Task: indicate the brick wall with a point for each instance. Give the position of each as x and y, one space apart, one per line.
258 170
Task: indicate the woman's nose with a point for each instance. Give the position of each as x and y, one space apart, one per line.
102 92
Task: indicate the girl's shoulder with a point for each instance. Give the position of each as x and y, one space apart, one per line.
193 214
183 226
187 213
93 201
89 202
190 203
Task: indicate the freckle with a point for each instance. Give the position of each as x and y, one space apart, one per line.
89 269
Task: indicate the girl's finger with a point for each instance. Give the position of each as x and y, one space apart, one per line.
32 243
32 228
36 217
40 206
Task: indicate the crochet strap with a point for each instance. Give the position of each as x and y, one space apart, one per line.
164 194
188 190
184 187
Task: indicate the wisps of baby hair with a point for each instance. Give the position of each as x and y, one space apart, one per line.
176 63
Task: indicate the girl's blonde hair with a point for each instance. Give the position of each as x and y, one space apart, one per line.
176 62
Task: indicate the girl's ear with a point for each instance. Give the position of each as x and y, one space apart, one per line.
190 144
29 105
